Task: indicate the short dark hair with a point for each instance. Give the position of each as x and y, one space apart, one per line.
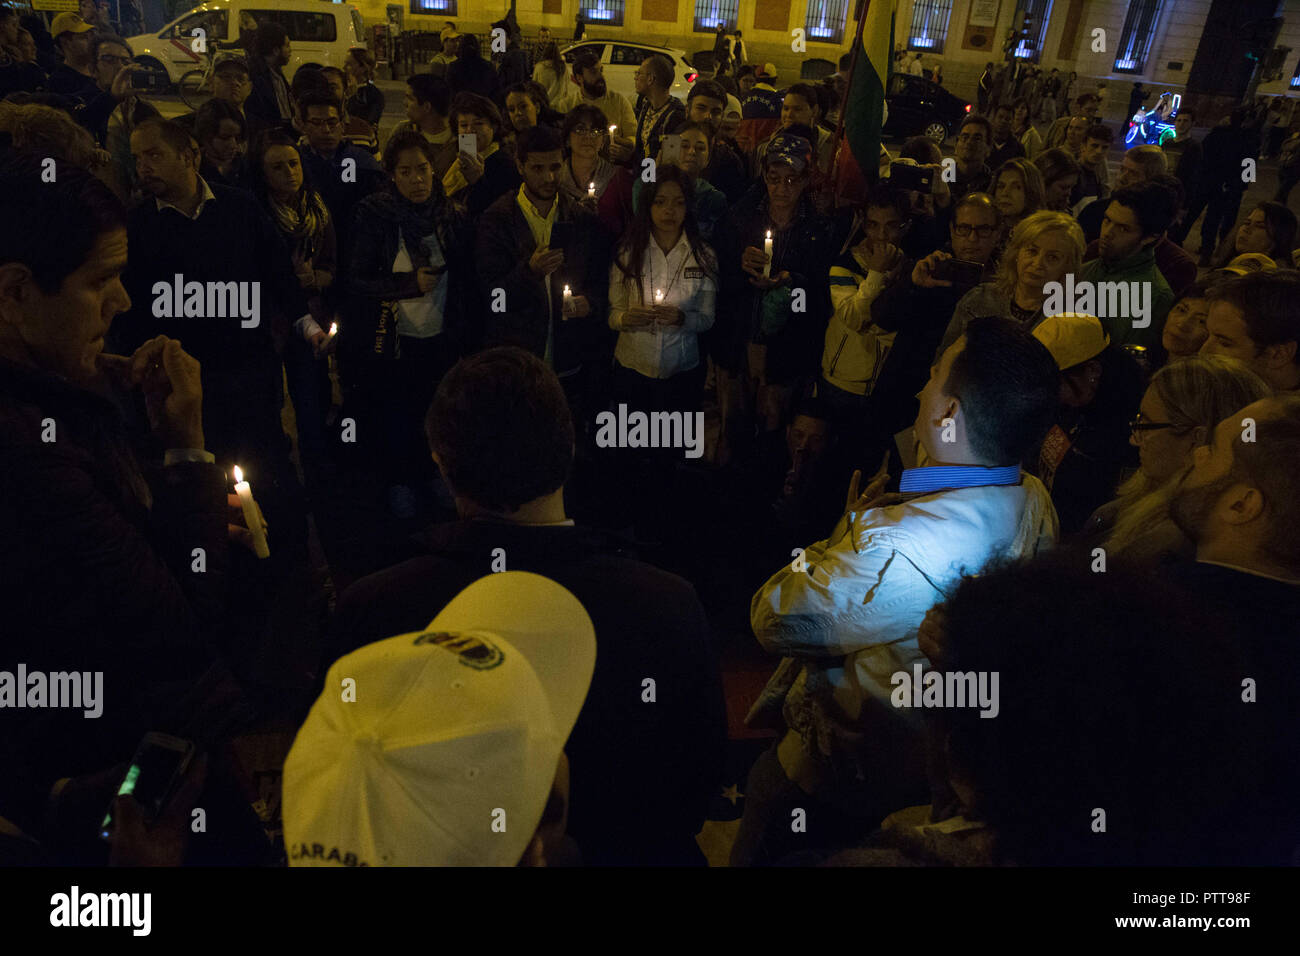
1078 725
922 149
319 98
585 59
404 140
270 37
1281 223
974 119
662 68
1056 163
72 218
1100 131
805 90
306 81
1270 463
427 88
1009 387
746 70
1269 304
885 196
228 63
475 105
583 111
1175 185
709 88
501 429
1154 204
173 134
535 93
208 120
107 39
1083 99
538 139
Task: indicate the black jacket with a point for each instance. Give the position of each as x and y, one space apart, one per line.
641 773
94 579
805 250
474 76
503 246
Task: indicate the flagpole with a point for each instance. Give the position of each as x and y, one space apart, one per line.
838 142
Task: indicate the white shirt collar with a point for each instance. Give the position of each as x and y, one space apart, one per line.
205 198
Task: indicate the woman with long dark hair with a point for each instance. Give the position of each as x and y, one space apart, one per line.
662 287
280 182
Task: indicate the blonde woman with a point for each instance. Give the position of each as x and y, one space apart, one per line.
1183 403
1042 249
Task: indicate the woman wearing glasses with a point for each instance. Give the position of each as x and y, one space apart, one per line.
1178 413
584 133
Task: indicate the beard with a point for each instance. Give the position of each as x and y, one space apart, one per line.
595 90
1189 508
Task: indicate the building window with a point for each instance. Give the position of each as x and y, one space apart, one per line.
1295 78
606 13
929 25
709 13
1031 20
825 21
442 8
1135 40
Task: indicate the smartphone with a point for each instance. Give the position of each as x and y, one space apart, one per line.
468 143
959 271
672 148
907 176
144 80
157 767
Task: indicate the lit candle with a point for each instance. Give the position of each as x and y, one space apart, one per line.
767 251
591 190
611 131
252 514
659 296
567 301
334 330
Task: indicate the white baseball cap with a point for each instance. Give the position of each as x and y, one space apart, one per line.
444 750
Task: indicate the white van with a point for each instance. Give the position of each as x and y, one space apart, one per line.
320 33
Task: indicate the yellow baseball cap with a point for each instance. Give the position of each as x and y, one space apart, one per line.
68 23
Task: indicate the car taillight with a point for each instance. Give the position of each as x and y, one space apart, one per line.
967 107
691 77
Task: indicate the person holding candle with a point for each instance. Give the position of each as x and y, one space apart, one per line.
589 89
304 222
583 135
99 557
764 346
407 270
662 288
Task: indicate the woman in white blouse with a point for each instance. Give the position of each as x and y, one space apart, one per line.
662 288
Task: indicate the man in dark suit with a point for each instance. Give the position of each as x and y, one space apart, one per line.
531 246
645 753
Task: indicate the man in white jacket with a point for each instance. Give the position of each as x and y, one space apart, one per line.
846 612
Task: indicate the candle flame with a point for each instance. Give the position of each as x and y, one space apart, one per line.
769 234
611 130
334 328
239 475
591 185
566 290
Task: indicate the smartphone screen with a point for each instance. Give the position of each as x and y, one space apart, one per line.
158 764
672 148
468 143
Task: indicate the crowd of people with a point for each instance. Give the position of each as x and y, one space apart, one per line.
1069 453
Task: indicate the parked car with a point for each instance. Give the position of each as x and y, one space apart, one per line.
320 34
621 59
919 107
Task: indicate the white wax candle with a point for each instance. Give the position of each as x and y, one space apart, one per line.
566 301
659 296
252 514
767 251
591 190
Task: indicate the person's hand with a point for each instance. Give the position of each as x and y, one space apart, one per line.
471 167
877 256
766 282
317 342
426 277
875 488
620 149
932 634
669 315
545 260
753 259
173 391
237 526
135 843
589 203
923 271
575 307
121 87
638 318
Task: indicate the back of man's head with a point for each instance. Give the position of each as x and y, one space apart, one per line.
501 430
1008 386
72 217
1154 205
430 89
270 38
538 139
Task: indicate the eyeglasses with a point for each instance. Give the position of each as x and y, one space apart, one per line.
964 230
1138 427
970 137
587 131
776 179
324 123
114 60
